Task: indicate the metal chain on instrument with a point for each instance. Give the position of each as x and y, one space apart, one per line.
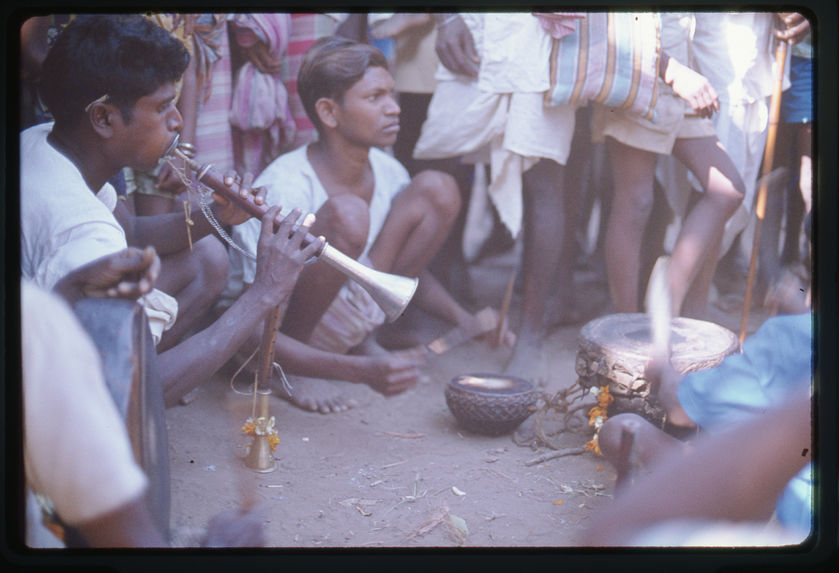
204 193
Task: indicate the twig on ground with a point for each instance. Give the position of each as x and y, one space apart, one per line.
556 454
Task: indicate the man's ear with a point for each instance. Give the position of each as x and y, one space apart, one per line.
101 117
326 108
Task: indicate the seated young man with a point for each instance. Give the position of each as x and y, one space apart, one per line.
109 82
368 207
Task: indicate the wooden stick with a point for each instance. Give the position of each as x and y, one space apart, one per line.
556 454
482 322
266 354
760 206
505 306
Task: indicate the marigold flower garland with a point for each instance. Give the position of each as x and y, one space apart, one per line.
262 427
598 414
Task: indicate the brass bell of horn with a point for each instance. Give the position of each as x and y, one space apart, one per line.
391 292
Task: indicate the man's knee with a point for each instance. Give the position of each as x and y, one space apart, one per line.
609 437
345 222
441 191
211 258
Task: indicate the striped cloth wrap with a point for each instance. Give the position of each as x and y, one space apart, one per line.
611 58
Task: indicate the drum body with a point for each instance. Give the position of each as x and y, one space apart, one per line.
120 331
614 351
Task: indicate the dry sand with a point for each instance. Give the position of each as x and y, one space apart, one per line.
399 471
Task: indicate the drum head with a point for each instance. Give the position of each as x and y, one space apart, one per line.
616 348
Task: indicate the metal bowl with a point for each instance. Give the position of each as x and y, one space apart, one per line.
490 404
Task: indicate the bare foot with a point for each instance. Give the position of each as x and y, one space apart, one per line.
313 394
528 362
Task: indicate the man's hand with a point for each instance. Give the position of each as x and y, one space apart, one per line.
227 212
395 372
664 384
259 54
693 87
794 27
168 180
236 528
455 45
280 255
128 274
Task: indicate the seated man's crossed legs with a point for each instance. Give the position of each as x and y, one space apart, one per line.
416 226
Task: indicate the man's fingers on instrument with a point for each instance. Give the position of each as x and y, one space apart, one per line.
260 194
288 221
269 220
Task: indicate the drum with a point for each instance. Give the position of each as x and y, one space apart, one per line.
614 350
120 331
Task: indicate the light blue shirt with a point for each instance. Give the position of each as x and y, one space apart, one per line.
776 362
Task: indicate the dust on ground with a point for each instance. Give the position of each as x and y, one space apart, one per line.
398 471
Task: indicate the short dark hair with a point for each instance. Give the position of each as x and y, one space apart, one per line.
332 65
123 56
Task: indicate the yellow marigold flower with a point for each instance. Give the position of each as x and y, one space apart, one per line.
249 428
604 398
273 441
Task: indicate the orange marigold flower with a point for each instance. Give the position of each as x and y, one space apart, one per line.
593 445
273 441
249 428
604 398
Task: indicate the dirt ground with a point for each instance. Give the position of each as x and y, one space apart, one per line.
399 471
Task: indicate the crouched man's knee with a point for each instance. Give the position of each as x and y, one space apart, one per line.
441 191
345 221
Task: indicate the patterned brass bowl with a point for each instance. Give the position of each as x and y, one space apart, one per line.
490 404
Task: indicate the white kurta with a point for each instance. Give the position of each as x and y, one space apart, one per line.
502 110
64 225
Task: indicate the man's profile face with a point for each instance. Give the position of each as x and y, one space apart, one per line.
368 112
154 122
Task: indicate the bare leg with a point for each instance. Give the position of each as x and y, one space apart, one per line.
543 234
703 226
632 172
344 221
564 309
419 221
415 229
196 279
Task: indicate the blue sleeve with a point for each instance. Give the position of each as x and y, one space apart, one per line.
775 361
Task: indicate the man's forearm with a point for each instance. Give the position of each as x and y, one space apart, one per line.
167 233
196 359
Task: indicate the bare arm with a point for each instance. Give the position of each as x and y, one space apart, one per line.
455 45
388 373
167 232
127 274
279 260
736 475
690 85
131 525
